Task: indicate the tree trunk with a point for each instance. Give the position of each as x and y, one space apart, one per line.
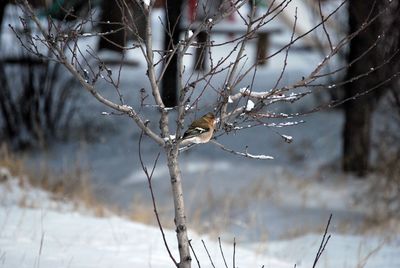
201 51
358 112
180 218
356 137
111 20
7 108
3 5
169 80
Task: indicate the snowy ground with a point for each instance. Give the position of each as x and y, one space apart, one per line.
276 209
38 231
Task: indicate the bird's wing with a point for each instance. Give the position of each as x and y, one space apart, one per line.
194 131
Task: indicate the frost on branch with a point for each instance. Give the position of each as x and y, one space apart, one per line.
245 154
171 137
249 106
258 156
287 138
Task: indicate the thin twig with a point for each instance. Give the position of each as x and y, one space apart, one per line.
245 154
208 253
323 25
234 253
222 252
194 254
287 51
323 244
149 177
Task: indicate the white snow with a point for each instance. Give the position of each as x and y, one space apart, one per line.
244 90
260 156
41 235
171 137
43 232
288 138
249 105
127 107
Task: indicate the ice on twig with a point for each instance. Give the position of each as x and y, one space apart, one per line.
189 33
284 124
127 107
287 138
260 156
245 154
249 105
105 113
278 96
230 99
171 137
87 34
244 90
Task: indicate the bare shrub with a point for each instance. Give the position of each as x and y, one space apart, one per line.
36 101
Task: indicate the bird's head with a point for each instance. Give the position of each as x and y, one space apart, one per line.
210 117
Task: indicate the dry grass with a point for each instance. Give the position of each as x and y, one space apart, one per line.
142 211
73 184
11 161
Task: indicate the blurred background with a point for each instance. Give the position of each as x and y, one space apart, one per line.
342 159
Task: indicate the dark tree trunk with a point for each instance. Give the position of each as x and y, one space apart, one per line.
169 80
356 137
201 51
3 5
8 111
6 105
358 112
357 127
111 20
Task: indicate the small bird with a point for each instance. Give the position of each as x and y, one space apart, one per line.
201 130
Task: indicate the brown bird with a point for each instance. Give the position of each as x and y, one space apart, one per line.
201 130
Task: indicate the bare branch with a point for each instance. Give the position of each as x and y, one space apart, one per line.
234 253
194 254
208 253
323 244
324 26
222 252
149 176
59 53
245 154
287 51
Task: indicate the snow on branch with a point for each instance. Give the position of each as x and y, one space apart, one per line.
245 154
273 94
